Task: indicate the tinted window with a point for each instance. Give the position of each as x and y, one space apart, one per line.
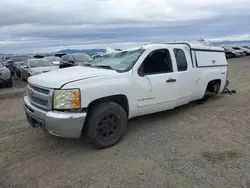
157 62
39 63
180 59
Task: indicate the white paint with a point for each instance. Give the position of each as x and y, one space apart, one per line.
210 58
145 94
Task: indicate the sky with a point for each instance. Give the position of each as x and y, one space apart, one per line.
51 25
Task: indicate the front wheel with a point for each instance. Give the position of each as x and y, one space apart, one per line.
106 124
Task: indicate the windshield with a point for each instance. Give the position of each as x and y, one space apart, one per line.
119 61
39 63
82 57
53 58
21 58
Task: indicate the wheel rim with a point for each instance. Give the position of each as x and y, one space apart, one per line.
107 126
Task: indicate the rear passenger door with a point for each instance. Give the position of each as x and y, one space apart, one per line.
186 81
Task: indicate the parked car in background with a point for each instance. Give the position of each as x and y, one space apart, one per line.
237 53
36 66
5 76
10 65
229 54
70 60
17 62
245 50
55 60
248 47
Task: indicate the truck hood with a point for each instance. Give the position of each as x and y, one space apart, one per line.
60 77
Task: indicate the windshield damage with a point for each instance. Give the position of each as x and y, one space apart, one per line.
118 61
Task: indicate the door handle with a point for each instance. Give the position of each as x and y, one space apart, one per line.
171 80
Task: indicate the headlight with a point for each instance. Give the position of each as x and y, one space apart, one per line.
67 99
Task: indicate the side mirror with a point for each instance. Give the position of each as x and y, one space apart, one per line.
72 62
25 66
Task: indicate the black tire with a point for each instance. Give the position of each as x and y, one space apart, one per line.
204 98
106 124
207 95
9 84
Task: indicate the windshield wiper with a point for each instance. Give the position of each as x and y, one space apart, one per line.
104 66
88 64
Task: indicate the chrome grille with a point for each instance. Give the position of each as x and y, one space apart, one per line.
40 96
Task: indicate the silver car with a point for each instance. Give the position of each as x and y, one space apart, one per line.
5 76
36 66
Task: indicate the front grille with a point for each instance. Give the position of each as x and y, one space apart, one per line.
39 101
40 90
40 96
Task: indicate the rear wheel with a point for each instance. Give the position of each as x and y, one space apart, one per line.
212 89
106 124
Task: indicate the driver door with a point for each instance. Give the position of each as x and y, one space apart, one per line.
158 70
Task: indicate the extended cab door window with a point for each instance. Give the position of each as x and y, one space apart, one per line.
180 59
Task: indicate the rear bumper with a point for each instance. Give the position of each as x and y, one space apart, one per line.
68 125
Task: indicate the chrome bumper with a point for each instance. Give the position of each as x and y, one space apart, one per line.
68 125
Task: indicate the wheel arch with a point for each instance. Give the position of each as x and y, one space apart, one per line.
211 83
120 99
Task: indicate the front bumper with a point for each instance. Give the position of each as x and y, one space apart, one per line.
67 125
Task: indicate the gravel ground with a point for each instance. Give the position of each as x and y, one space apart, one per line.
17 89
193 146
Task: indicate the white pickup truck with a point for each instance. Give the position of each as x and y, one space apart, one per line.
97 99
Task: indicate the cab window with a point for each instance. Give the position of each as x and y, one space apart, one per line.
157 62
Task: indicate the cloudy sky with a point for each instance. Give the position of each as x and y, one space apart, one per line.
51 25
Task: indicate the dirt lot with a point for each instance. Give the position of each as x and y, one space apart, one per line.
195 146
16 90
